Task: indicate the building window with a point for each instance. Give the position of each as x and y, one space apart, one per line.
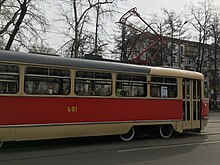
9 79
174 47
174 59
163 87
181 49
131 85
89 83
47 81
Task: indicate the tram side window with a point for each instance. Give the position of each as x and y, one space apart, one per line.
47 81
9 79
163 87
131 85
89 83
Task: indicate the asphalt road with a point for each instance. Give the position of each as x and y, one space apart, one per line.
183 149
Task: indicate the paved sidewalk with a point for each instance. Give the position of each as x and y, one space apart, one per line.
213 126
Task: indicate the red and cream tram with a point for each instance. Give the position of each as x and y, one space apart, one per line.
45 97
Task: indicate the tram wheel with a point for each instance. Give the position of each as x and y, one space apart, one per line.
129 135
166 131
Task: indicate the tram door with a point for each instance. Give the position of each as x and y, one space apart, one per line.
191 103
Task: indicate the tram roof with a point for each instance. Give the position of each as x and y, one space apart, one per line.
176 73
31 58
57 61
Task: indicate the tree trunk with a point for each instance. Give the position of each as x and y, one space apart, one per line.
96 29
171 53
76 47
215 75
199 52
1 3
17 24
203 52
123 44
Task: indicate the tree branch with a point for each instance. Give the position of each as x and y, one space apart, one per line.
91 6
10 22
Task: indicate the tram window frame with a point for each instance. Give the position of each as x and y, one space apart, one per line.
9 78
93 83
44 81
130 85
161 87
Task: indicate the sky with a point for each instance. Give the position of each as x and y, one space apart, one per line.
146 8
155 6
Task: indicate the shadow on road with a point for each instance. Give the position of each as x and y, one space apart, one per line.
93 141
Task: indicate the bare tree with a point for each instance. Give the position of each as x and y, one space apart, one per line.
41 48
200 18
103 12
20 22
215 34
172 24
78 19
158 24
171 27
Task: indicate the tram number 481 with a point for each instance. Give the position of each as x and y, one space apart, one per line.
72 109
